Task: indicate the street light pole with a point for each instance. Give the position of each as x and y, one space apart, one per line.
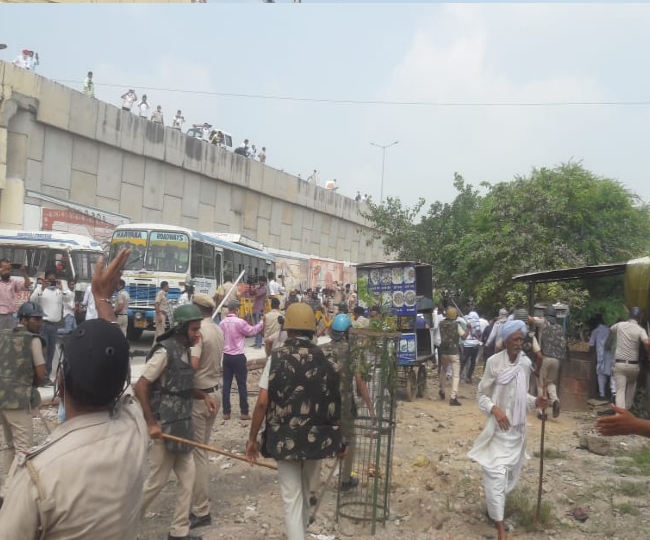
383 163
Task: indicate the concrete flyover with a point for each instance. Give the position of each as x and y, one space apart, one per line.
62 149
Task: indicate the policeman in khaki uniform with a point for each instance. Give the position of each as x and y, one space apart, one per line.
301 399
206 361
166 391
86 480
22 369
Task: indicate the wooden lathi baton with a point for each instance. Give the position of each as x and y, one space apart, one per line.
216 450
541 461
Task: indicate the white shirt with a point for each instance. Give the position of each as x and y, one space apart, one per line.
68 304
206 133
23 62
51 301
128 101
177 121
143 106
89 302
275 288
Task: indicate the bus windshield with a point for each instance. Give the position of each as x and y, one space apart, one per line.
84 264
136 241
168 252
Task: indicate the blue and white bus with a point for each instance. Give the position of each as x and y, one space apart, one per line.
71 256
176 254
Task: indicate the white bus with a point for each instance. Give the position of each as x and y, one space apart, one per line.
177 254
72 256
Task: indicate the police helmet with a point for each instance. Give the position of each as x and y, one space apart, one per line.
549 311
343 307
636 313
341 323
30 309
95 363
300 316
521 314
185 314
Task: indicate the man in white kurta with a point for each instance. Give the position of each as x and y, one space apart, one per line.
503 396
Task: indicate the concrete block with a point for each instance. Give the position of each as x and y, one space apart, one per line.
334 233
52 191
149 215
85 155
83 115
154 140
250 211
174 181
3 176
212 161
57 157
34 178
236 223
83 188
277 208
264 208
3 144
133 170
54 104
274 241
317 226
109 124
268 180
195 150
21 122
296 223
132 129
263 230
219 224
206 217
110 205
208 190
238 200
326 224
23 81
131 199
285 232
191 196
16 161
256 178
287 214
36 142
190 222
172 210
154 185
109 172
174 147
222 207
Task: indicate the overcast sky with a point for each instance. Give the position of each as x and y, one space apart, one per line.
435 53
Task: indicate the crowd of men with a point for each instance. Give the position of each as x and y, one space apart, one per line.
117 444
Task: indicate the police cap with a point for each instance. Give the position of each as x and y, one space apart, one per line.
96 363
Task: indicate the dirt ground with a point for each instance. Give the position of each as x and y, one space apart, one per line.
436 490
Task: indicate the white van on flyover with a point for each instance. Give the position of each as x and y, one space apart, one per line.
196 131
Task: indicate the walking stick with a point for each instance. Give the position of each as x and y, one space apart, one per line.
216 450
541 462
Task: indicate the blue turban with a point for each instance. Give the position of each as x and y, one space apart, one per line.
510 327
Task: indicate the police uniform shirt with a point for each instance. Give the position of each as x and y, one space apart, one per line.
209 351
271 323
91 472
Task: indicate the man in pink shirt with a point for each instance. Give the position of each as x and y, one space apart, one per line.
8 290
235 331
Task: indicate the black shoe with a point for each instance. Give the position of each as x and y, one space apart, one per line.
454 402
187 537
556 408
313 500
441 394
199 521
351 483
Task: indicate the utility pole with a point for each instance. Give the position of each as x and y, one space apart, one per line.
383 163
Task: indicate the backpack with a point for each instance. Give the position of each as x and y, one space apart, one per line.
553 341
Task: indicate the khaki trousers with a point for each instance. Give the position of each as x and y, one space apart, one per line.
202 421
162 463
18 429
294 478
548 375
625 376
454 361
123 323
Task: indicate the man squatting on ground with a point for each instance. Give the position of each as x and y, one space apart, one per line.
503 396
300 398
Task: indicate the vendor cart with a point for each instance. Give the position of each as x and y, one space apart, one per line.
397 288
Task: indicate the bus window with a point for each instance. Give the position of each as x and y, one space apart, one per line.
208 261
247 265
83 264
217 267
238 263
18 256
228 266
197 257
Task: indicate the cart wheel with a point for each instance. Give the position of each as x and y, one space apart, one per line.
422 381
411 385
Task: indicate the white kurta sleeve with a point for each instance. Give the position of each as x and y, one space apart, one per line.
485 389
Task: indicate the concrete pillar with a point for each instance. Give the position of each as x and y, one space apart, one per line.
11 204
